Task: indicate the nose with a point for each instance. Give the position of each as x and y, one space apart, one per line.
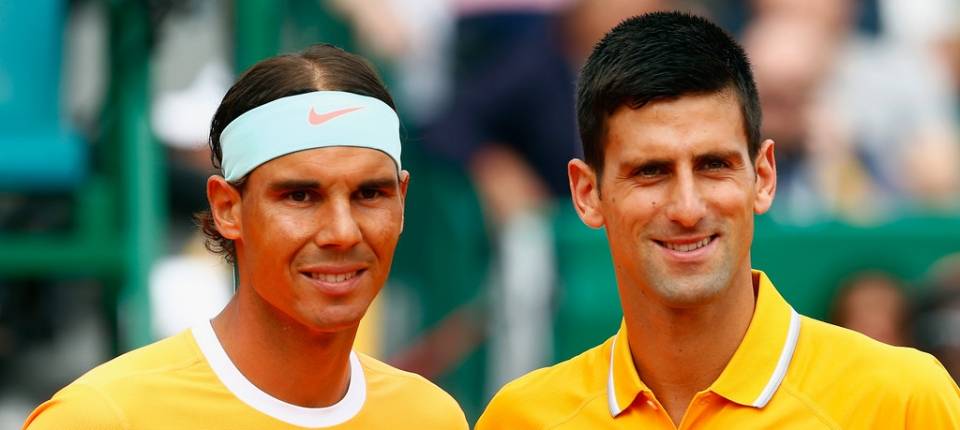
686 206
339 228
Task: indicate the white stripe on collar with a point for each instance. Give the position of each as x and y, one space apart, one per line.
786 354
240 386
611 389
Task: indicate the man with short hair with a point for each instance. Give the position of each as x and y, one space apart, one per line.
309 208
675 171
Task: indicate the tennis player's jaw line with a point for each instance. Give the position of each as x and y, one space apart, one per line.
316 119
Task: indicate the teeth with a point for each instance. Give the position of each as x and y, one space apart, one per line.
333 278
687 247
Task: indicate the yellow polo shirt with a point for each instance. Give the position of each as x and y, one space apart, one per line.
187 381
789 372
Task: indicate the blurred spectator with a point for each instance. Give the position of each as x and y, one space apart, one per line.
873 303
509 123
414 38
864 125
933 28
588 20
512 99
937 325
791 59
191 75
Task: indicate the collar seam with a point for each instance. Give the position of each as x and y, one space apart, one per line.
812 406
247 393
577 411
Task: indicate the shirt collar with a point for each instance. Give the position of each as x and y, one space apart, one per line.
754 372
623 383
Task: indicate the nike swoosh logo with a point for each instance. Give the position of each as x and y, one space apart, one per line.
317 118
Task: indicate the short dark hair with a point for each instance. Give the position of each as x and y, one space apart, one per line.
656 56
318 67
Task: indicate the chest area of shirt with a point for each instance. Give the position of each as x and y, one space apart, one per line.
715 414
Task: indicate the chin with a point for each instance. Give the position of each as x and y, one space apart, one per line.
687 298
332 320
330 327
689 292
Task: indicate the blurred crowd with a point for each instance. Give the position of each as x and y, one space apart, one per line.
861 96
883 306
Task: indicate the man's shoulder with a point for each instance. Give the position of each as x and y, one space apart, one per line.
95 400
849 376
845 355
166 355
583 374
856 348
549 394
410 394
381 376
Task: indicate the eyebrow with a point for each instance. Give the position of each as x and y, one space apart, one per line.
300 184
723 155
650 162
293 184
664 162
381 183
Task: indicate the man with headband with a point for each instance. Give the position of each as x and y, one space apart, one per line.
309 209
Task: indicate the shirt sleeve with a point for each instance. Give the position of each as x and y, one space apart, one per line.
935 404
77 407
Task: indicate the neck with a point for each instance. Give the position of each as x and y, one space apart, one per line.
281 356
680 352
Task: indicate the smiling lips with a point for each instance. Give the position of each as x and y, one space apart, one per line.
686 246
333 277
334 282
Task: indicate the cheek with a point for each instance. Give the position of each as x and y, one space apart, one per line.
381 228
633 212
733 207
273 232
732 199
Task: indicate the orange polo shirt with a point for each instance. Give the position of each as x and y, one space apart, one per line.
188 382
789 372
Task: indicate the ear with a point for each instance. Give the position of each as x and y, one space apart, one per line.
766 185
225 206
404 182
585 192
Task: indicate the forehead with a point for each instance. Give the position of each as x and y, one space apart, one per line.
693 123
328 164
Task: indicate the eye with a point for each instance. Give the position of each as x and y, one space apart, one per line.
298 196
369 193
715 164
649 171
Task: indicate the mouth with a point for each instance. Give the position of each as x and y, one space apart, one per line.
688 249
334 282
333 278
686 245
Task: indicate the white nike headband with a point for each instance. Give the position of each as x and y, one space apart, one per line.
317 119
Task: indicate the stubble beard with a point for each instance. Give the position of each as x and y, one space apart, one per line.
689 287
